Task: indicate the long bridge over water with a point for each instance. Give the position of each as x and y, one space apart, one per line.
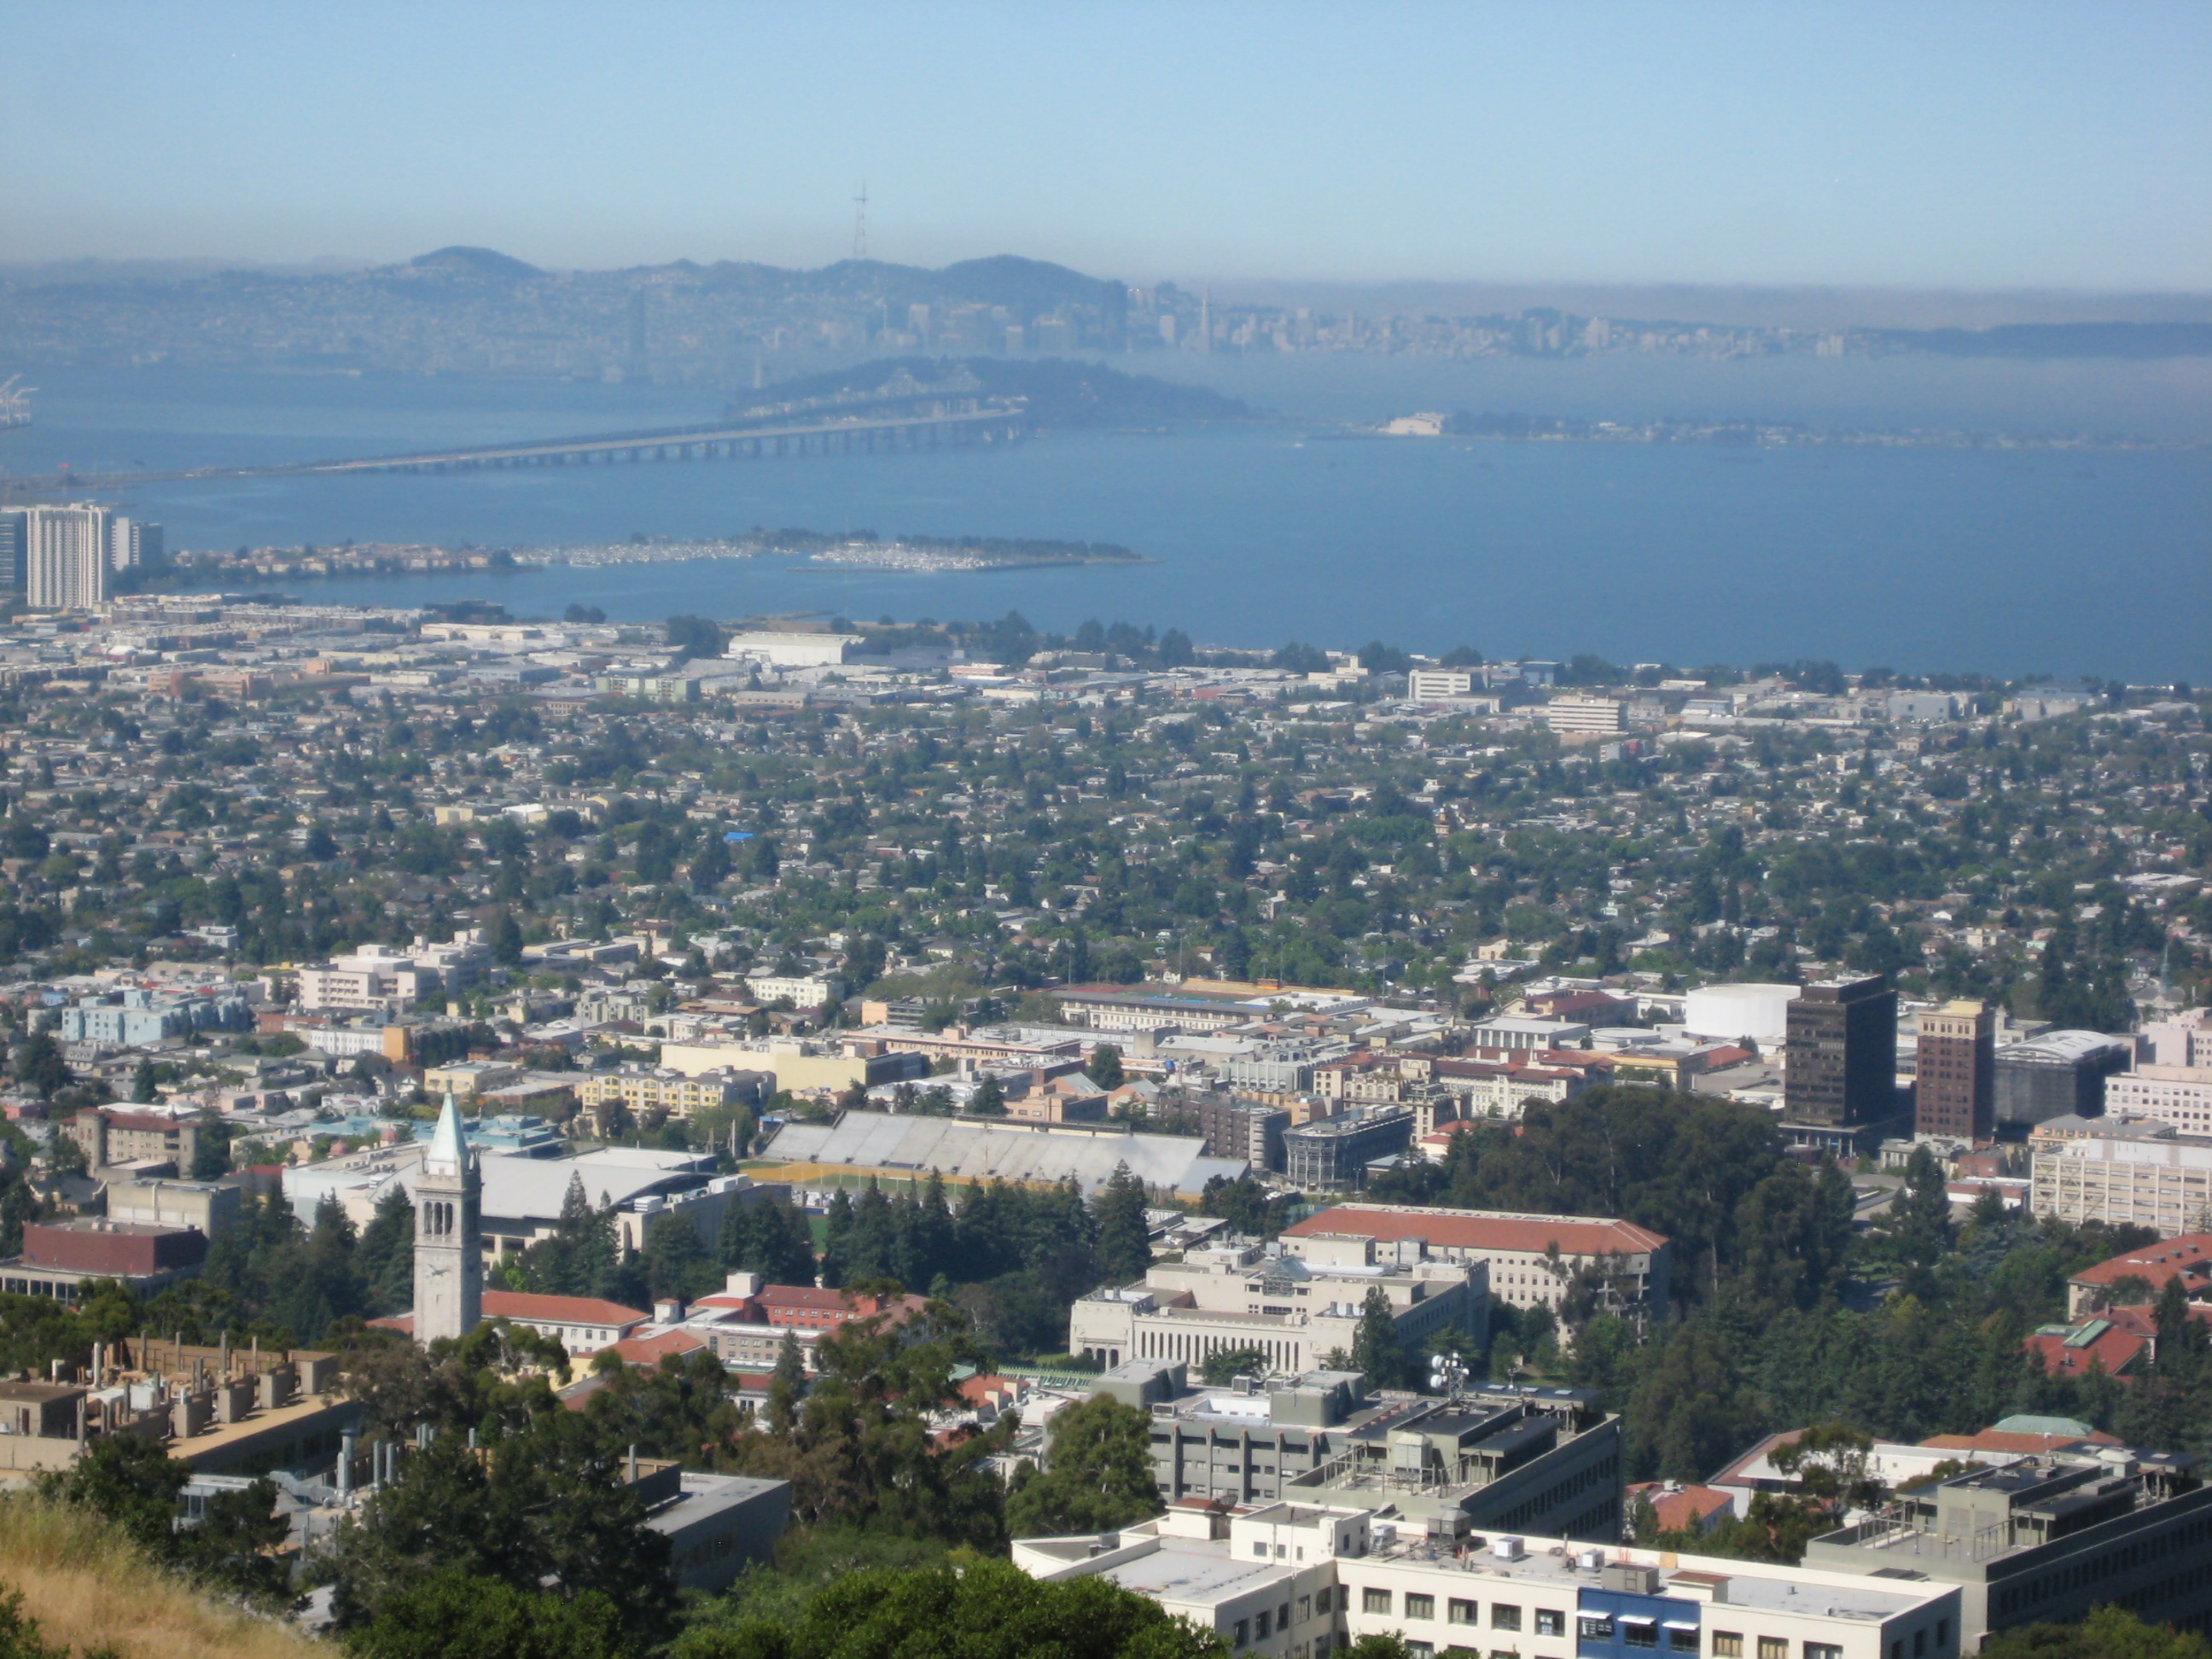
933 427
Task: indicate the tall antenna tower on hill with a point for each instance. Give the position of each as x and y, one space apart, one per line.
861 222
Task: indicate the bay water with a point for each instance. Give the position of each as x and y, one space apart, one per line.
2003 561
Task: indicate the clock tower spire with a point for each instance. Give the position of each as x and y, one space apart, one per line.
448 1249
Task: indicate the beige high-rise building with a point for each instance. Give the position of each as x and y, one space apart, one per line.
66 556
1954 1084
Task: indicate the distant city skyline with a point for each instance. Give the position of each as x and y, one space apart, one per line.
2027 146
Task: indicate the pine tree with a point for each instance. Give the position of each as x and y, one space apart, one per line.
772 1238
578 1257
387 1253
989 1099
837 1240
40 1064
785 1384
1124 1247
710 865
676 1261
1097 1474
1376 1352
1921 1214
1105 1067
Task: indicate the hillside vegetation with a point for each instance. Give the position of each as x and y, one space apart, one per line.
90 1587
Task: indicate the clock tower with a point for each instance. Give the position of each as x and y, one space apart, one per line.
448 1249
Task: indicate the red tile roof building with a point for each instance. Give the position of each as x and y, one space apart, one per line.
1532 1259
747 1324
2189 1257
2117 1342
582 1324
1681 1508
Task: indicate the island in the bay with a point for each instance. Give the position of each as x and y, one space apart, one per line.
860 550
851 549
1515 427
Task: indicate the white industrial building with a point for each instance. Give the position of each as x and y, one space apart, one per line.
792 650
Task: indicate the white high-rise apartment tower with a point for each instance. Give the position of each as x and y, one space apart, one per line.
448 1251
66 556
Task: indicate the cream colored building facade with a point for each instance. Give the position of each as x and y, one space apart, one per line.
2164 1184
1297 1315
2179 1094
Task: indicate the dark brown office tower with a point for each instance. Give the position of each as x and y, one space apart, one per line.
1954 1080
1841 1055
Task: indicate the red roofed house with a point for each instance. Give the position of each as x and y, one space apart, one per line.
1532 1258
1436 1144
649 1351
990 1396
2188 1257
2121 1341
745 1323
582 1324
1502 1083
2117 1342
1681 1508
1591 1007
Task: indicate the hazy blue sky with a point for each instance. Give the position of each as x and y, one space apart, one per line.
1936 142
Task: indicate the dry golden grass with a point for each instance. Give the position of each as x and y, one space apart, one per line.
87 1586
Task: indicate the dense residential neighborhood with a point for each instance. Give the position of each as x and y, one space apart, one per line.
787 1099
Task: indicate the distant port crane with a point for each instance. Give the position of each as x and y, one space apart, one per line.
15 402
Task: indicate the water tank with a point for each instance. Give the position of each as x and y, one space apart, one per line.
1729 1013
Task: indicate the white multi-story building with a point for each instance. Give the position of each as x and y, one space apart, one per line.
1303 1581
2183 1039
66 556
2179 1094
1501 1090
799 990
376 979
1573 713
1300 1315
373 980
1439 685
2160 1181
